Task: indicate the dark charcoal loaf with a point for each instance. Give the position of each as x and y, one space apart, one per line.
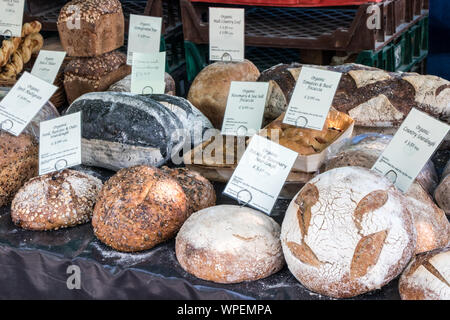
121 130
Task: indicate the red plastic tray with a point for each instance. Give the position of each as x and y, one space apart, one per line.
291 3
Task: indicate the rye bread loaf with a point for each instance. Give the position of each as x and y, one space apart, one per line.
84 75
138 208
89 28
442 192
124 85
55 200
199 191
427 277
210 88
19 157
229 244
347 232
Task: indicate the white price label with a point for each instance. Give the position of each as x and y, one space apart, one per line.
11 17
144 35
410 149
147 73
48 64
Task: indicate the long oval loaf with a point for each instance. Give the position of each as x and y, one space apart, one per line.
121 130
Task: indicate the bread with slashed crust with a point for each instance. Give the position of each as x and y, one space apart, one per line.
55 200
138 208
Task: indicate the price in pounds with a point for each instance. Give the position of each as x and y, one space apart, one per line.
311 98
258 169
411 145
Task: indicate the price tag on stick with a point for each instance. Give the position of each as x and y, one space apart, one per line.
48 64
147 73
11 17
60 143
23 102
312 98
411 147
226 34
245 108
144 35
260 174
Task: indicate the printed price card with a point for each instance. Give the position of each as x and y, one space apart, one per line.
23 102
226 34
261 173
312 98
60 143
47 65
11 17
411 147
245 108
144 35
147 73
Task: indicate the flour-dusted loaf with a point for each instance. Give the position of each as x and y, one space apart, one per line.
121 130
347 232
210 88
229 244
138 208
124 85
90 28
442 192
374 98
55 200
199 191
19 158
427 277
95 74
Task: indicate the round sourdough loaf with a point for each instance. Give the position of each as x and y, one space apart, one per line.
229 244
442 192
56 200
199 191
427 277
138 208
347 232
209 90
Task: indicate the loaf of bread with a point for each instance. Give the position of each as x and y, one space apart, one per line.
89 28
138 208
210 88
18 163
442 192
229 244
85 75
124 85
427 277
55 200
199 191
347 232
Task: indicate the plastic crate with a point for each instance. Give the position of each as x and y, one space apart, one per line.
342 29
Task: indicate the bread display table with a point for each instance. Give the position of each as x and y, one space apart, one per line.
35 264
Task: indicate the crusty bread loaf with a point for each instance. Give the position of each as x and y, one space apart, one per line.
229 244
432 226
427 277
90 28
55 200
124 85
210 88
442 192
138 208
199 191
347 232
18 163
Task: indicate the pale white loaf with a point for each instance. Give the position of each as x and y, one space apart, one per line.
347 232
229 244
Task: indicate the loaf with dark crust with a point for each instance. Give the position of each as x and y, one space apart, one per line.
199 191
55 200
85 75
90 28
18 163
138 208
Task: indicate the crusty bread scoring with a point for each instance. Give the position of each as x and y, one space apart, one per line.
138 208
347 232
229 244
55 200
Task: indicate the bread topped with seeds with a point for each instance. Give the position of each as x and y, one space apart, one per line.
55 200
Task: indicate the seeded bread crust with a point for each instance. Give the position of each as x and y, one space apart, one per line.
18 163
138 208
55 200
100 29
